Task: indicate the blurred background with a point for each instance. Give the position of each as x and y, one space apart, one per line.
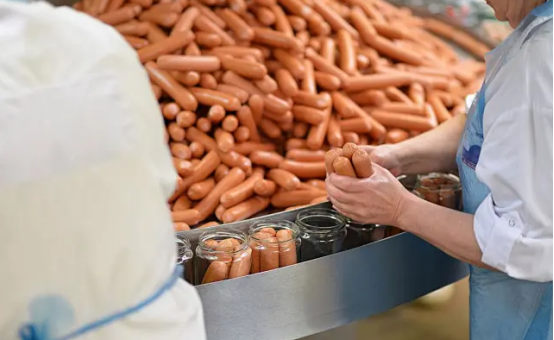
443 315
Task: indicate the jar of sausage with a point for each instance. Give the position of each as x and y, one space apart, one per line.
442 189
184 257
323 232
220 255
274 244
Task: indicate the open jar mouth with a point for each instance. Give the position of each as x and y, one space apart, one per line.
436 182
320 220
220 235
276 225
184 252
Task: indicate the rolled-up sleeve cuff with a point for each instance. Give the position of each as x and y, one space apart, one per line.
495 234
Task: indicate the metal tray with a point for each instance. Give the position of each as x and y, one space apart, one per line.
318 295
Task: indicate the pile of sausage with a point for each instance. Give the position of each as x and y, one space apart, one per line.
254 92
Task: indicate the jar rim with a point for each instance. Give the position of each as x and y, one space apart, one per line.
322 212
454 181
223 233
281 224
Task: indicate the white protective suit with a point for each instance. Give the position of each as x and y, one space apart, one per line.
85 231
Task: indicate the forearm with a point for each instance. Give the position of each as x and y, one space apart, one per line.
447 229
433 151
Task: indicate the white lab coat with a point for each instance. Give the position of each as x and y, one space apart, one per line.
85 173
513 225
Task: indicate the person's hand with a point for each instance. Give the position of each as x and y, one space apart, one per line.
385 156
377 199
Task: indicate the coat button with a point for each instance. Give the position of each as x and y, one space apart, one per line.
512 222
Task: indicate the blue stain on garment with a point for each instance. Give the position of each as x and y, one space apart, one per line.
50 317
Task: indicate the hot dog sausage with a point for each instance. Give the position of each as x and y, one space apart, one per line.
241 263
195 135
242 191
302 155
308 114
287 248
217 271
286 82
327 81
211 97
376 81
188 216
362 164
268 159
284 199
225 140
207 206
318 101
204 124
402 120
245 68
233 159
245 209
165 46
188 63
269 254
202 171
264 188
343 167
183 168
348 150
182 203
283 178
170 86
199 190
330 157
230 123
180 151
358 125
304 169
396 136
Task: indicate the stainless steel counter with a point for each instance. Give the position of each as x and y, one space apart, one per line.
314 296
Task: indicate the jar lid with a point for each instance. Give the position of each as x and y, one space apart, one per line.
320 220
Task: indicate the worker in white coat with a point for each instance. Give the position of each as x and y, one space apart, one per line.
87 247
503 150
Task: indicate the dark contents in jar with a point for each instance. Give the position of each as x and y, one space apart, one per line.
322 239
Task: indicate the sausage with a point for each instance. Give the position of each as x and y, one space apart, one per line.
155 33
297 23
120 15
204 124
268 159
242 134
323 65
244 68
203 23
300 129
183 168
417 94
347 61
166 46
396 136
376 81
186 21
271 129
309 114
318 101
358 125
189 78
233 159
275 104
231 78
189 63
242 191
269 254
303 155
217 271
188 216
225 140
267 85
180 226
292 64
176 132
334 134
199 190
327 49
343 167
264 16
216 114
282 24
237 92
362 164
207 206
170 86
133 27
245 117
351 137
264 187
164 19
245 209
343 105
283 178
239 52
182 203
395 94
276 39
319 200
402 120
256 104
440 110
369 97
284 199
317 134
304 169
241 263
403 108
202 171
180 151
185 119
334 19
327 81
230 123
236 24
287 83
195 135
247 148
170 111
317 183
348 150
219 211
211 97
221 171
296 143
330 157
209 40
197 150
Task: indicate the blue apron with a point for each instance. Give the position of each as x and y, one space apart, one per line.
501 307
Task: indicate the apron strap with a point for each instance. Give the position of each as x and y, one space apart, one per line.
31 331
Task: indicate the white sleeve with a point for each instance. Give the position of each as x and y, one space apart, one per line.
513 225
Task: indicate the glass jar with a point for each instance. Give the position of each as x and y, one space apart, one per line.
322 231
274 244
442 189
221 255
184 257
358 234
379 232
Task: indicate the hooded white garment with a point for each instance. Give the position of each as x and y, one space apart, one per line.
85 230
